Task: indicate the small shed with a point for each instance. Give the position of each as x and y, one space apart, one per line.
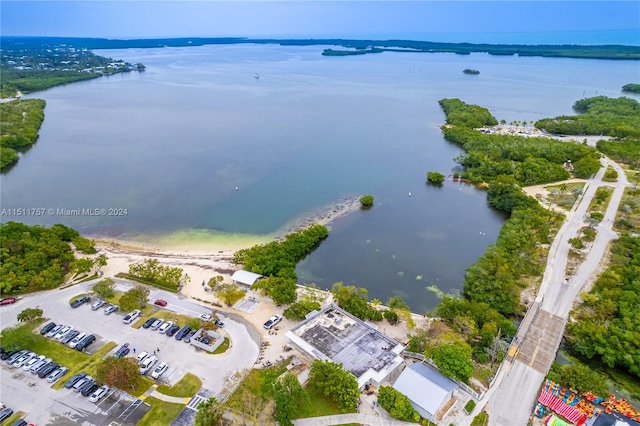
426 388
245 277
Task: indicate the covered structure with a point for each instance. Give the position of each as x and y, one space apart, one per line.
426 388
245 277
336 335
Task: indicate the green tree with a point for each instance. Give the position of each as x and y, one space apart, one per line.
355 301
105 288
282 290
209 413
335 382
397 404
230 294
135 298
30 314
121 373
150 270
215 282
81 266
298 310
84 245
99 262
454 360
390 316
366 201
435 177
288 395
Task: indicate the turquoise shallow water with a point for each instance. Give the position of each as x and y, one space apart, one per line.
171 144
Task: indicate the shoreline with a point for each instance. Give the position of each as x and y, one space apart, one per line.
197 243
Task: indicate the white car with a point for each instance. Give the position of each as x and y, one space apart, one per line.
97 305
21 361
159 370
99 393
74 342
63 333
27 366
271 322
157 323
206 317
131 317
56 374
164 327
148 364
141 357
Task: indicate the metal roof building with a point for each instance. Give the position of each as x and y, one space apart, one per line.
426 388
245 277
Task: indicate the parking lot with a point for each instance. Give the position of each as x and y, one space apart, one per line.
67 406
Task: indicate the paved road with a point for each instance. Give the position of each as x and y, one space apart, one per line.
511 403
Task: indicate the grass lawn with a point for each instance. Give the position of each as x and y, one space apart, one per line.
481 419
188 386
566 198
222 348
88 363
319 405
161 413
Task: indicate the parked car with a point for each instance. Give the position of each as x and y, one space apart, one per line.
80 301
5 414
189 335
141 357
160 302
97 305
38 365
6 353
110 309
271 322
148 364
20 422
54 330
69 336
60 334
20 362
29 364
89 388
73 380
205 317
99 393
44 366
47 327
122 351
8 300
164 327
159 370
44 372
77 387
15 356
219 323
148 322
56 374
156 324
86 341
183 332
74 342
173 330
132 316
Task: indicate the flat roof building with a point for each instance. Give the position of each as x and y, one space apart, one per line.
336 335
245 277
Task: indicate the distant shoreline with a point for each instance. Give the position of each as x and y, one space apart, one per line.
351 46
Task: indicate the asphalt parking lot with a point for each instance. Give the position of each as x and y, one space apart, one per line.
68 407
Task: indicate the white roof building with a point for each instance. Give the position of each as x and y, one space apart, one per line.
426 388
245 277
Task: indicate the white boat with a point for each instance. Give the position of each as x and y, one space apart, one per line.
256 75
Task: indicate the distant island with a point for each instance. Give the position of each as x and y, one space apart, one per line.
349 46
471 72
631 87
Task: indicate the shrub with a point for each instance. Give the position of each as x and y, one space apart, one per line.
366 201
435 177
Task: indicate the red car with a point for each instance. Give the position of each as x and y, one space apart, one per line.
9 300
160 302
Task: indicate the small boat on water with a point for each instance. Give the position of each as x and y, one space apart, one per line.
256 76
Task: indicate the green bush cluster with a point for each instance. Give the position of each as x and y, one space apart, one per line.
355 301
397 405
282 290
280 258
465 115
631 87
33 257
625 151
21 121
598 115
606 325
298 311
152 272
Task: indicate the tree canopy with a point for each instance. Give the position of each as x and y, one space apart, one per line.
355 301
454 360
135 298
462 114
33 257
288 395
21 121
335 382
397 404
154 273
121 373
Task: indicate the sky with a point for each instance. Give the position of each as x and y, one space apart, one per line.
579 22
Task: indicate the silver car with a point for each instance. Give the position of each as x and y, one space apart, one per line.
32 361
56 374
110 309
99 393
156 324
